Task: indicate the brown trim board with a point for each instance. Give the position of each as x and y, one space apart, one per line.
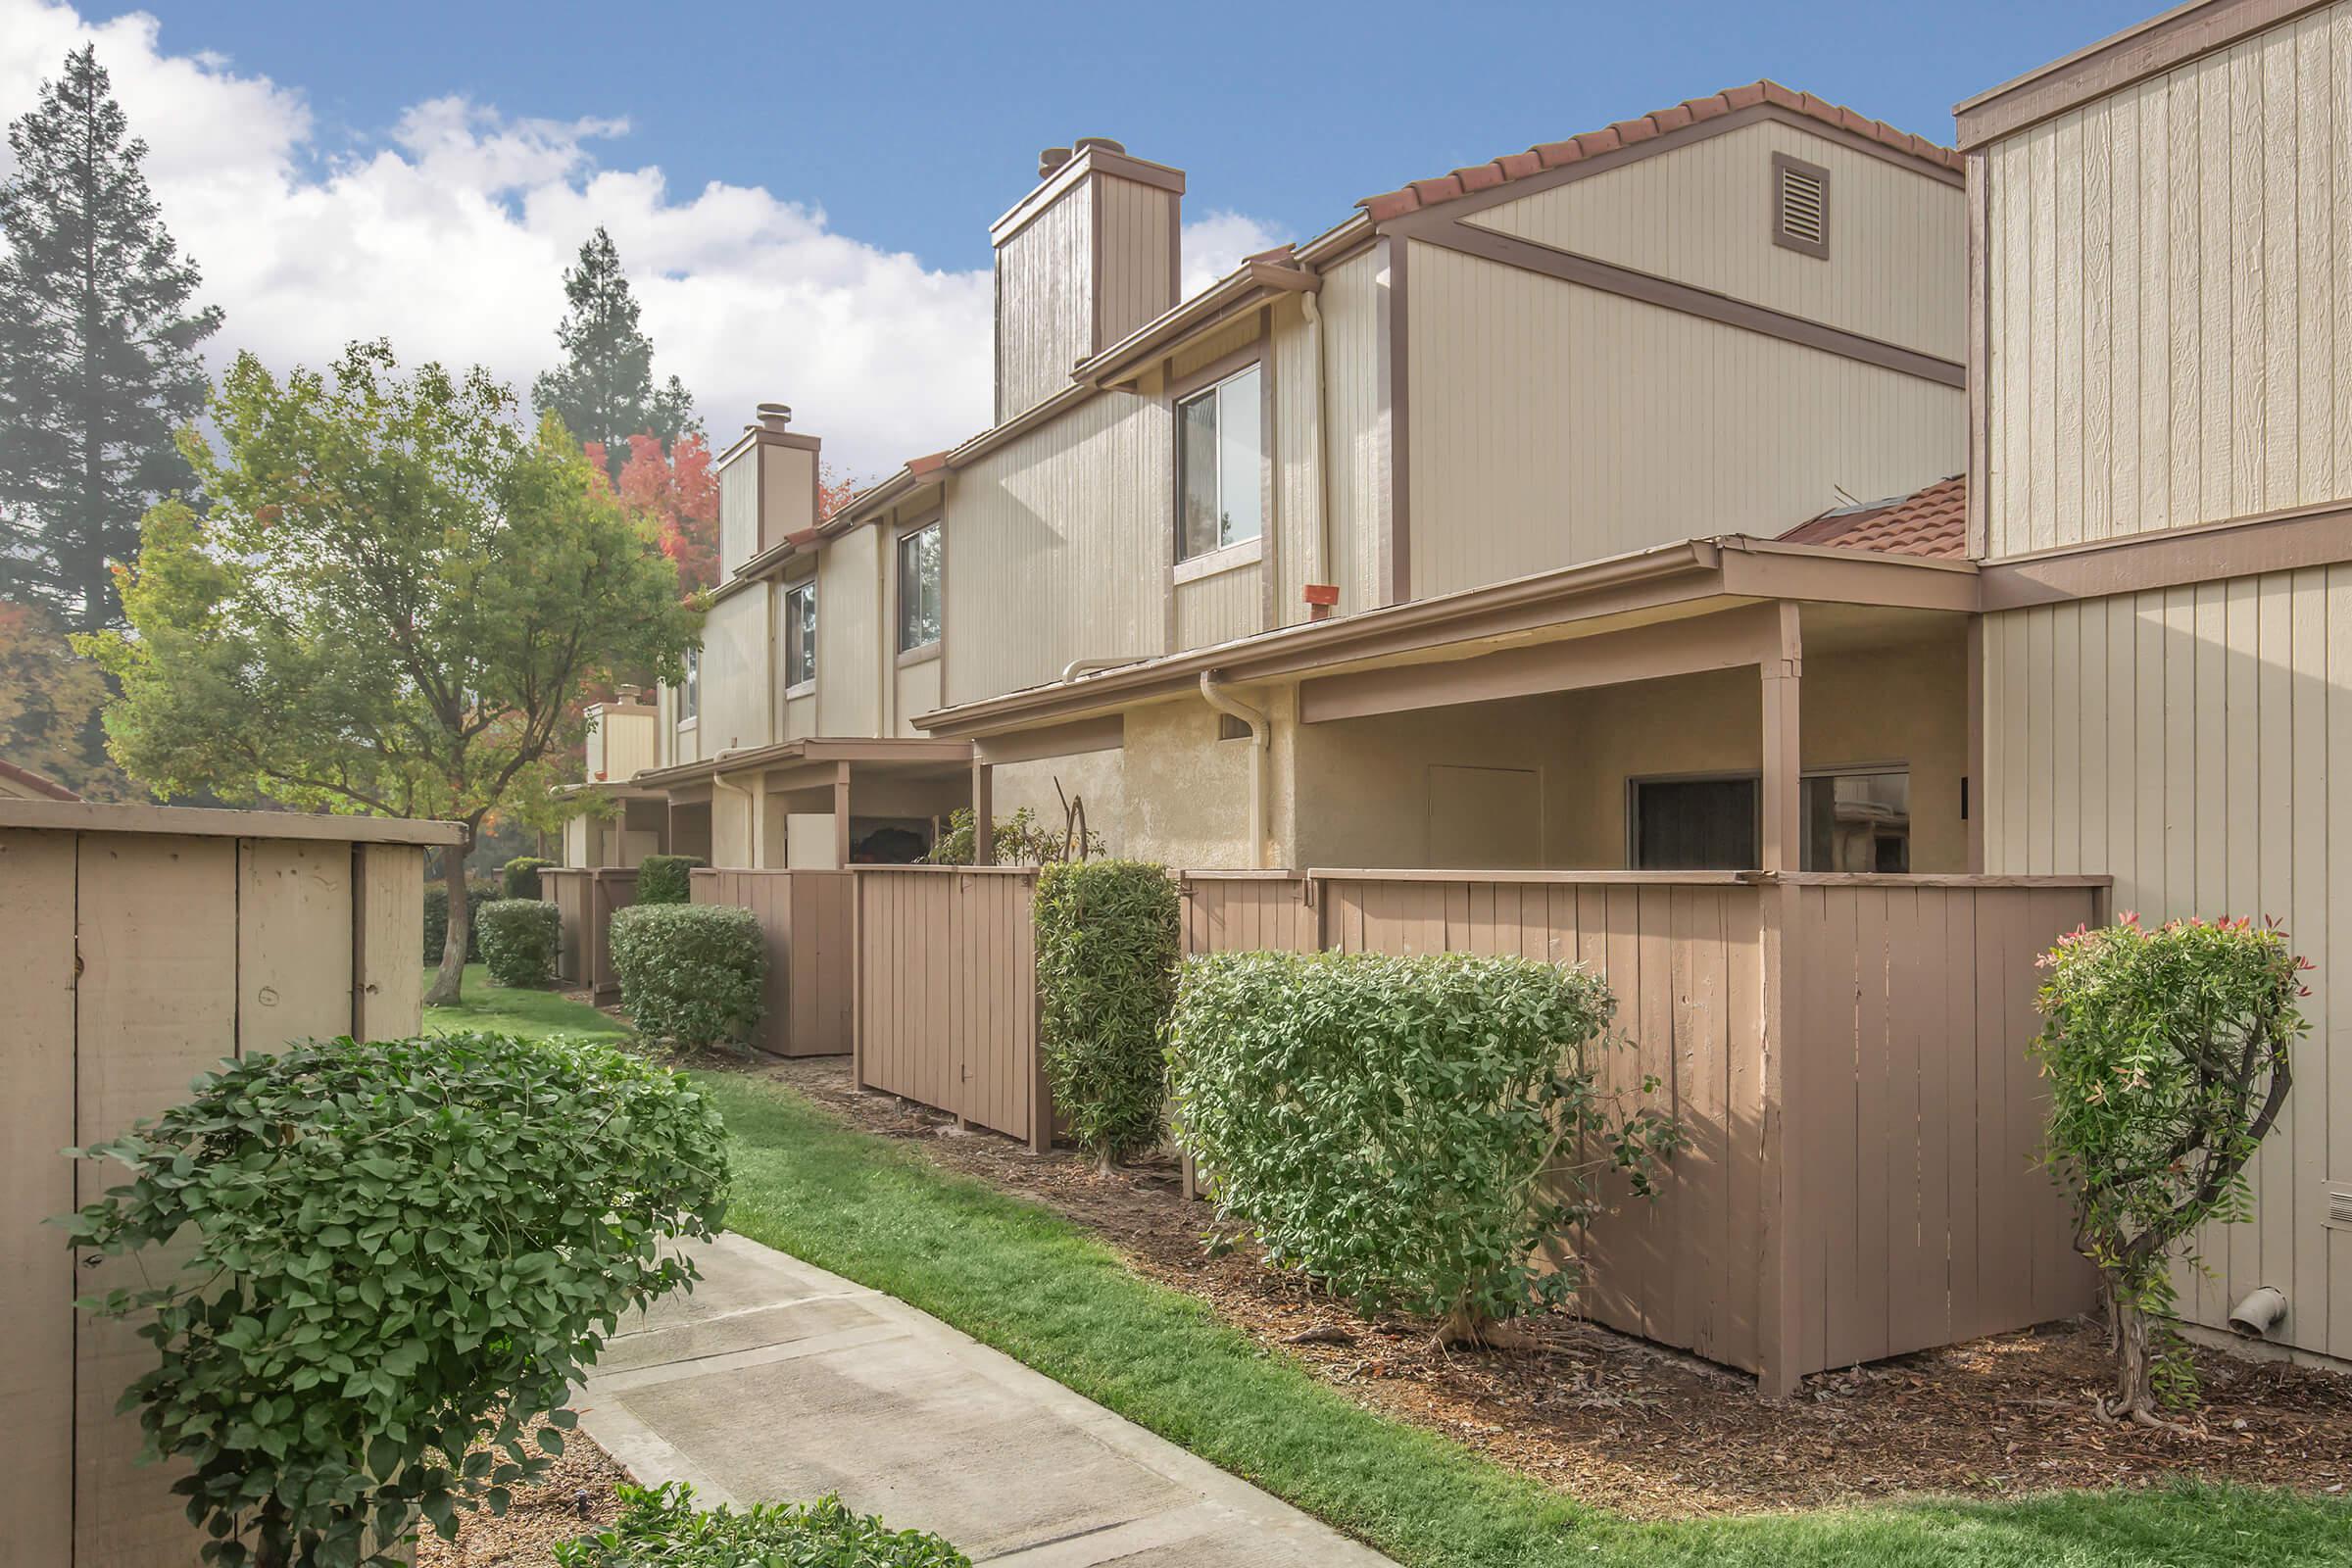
1728 640
2116 62
1108 733
1393 372
2171 558
1440 229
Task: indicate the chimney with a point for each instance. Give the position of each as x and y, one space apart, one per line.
1083 259
766 487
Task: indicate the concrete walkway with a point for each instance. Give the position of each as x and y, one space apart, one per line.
778 1382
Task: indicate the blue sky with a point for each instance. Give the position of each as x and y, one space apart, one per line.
914 125
802 195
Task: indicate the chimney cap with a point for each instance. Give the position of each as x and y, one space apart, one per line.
1052 159
775 416
1098 145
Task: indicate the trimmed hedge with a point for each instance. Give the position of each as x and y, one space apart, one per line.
690 973
1408 1131
666 879
659 1528
519 940
436 919
520 875
1109 939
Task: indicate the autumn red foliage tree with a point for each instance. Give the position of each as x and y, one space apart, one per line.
675 496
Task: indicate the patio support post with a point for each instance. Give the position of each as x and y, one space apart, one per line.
1784 767
984 814
841 815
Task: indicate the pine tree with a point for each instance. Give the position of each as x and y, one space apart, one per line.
604 390
98 361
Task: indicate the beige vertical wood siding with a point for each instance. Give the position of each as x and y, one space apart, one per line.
1220 607
1045 288
918 694
737 650
1533 446
1139 250
1703 216
738 510
788 505
2198 743
1058 548
2168 298
850 657
190 950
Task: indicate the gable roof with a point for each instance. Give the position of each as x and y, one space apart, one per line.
1932 523
1424 193
25 784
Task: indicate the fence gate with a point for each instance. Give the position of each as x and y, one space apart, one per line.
947 994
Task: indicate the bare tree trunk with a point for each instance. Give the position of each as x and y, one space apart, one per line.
450 978
2134 1396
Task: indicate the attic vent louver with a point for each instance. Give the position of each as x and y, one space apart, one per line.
1800 206
2339 1208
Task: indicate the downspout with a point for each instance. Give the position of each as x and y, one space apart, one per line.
1261 742
1311 302
751 804
1087 666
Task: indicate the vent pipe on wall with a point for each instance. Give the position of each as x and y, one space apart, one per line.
2260 1312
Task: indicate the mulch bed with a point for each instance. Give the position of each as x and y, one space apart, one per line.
1652 1434
577 1497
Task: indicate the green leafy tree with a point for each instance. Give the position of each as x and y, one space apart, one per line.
49 703
604 391
2166 1052
391 609
98 338
402 1255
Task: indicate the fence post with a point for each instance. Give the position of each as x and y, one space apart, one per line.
1781 1301
856 978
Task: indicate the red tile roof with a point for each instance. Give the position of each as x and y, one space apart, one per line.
1931 523
1422 193
27 778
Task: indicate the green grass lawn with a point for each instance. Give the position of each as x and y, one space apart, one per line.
508 1010
1015 1276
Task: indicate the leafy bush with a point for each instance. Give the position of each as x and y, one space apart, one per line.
1021 840
690 973
1407 1131
403 1250
436 919
2167 1055
1109 937
519 940
659 1528
665 879
520 875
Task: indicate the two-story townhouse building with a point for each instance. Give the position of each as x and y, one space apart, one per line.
2161 498
1446 538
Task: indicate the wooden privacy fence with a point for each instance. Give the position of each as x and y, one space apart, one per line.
145 944
586 899
1847 1055
947 994
806 918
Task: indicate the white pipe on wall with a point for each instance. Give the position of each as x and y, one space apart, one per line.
1261 742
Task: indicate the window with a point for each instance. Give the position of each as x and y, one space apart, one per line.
800 635
919 588
690 690
1852 821
1217 444
1800 206
1858 821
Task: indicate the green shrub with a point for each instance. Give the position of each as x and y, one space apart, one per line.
690 973
519 940
665 879
659 1528
1407 1131
402 1251
2166 1052
1018 840
1109 937
520 875
436 919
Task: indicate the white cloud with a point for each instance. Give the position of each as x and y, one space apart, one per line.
449 235
1214 245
